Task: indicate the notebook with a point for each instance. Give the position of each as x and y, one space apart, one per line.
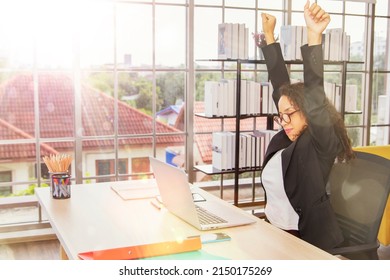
138 189
176 196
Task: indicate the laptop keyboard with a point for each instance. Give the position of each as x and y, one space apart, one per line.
207 218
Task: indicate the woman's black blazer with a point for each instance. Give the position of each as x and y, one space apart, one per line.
306 162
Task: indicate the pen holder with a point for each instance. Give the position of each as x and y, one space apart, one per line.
60 185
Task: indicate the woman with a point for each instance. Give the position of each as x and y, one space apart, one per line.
299 157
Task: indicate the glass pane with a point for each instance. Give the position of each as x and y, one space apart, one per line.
19 160
54 34
17 37
171 89
147 1
381 8
380 113
202 150
96 154
56 105
332 84
122 166
204 125
17 105
381 55
135 107
336 22
261 123
172 1
382 117
240 3
298 19
274 4
354 94
171 149
380 110
97 35
97 90
140 167
5 177
356 136
170 36
208 2
330 6
134 35
246 125
355 8
206 33
106 167
201 78
355 27
135 149
171 122
297 5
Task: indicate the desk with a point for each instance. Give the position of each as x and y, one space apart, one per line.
96 218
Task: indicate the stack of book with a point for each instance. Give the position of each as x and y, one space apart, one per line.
267 103
220 98
265 136
291 39
252 149
335 43
333 93
233 41
223 150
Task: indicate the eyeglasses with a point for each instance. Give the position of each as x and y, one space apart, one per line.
284 117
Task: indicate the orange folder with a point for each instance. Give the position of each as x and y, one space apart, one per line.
144 251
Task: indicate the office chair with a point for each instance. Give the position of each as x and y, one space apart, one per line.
358 194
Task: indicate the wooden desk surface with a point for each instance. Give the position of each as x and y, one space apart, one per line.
97 218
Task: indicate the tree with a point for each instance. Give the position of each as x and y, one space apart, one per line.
171 86
144 99
126 84
129 84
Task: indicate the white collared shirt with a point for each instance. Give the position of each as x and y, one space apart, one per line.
278 209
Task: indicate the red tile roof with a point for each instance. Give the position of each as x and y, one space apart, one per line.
56 116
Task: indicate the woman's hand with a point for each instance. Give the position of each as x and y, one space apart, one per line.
316 21
269 22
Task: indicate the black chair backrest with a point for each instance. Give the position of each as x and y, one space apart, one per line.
358 194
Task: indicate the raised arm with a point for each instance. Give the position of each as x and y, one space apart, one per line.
316 22
268 22
277 71
318 117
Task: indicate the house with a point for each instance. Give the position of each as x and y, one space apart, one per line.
169 115
56 107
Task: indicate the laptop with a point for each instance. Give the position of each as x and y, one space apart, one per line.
176 195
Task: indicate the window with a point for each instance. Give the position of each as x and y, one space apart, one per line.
93 86
107 167
5 176
140 166
113 92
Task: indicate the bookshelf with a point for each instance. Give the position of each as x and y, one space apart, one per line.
209 169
